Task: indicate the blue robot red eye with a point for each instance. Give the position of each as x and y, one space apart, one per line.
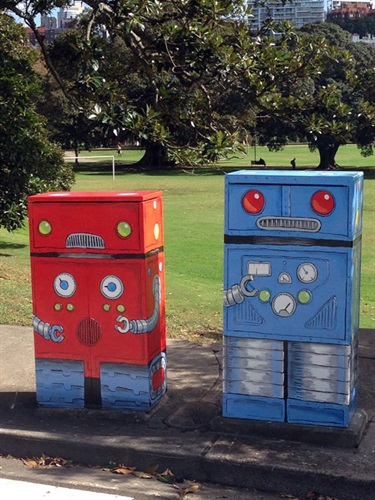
253 201
322 202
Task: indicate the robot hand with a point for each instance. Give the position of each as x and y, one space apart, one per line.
237 293
125 324
48 331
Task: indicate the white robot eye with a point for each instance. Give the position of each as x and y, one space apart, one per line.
64 285
112 287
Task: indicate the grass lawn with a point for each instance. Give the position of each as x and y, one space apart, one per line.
193 216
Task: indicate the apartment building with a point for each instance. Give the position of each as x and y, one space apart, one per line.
299 12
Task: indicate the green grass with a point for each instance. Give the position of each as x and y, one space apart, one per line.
193 217
347 156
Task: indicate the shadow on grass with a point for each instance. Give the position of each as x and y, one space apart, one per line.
9 246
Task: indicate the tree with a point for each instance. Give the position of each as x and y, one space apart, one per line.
179 51
333 106
29 162
170 89
363 26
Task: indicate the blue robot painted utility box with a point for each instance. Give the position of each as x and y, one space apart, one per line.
291 295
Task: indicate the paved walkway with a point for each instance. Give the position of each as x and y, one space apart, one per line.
186 432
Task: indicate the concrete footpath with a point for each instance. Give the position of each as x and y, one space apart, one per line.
186 432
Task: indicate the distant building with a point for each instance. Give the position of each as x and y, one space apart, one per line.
69 12
337 4
347 11
50 28
370 40
300 12
48 22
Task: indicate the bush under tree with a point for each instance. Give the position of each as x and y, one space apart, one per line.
29 162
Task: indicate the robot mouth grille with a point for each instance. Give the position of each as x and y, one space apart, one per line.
289 224
84 240
89 332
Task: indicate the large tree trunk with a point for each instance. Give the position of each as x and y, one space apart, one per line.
156 156
327 154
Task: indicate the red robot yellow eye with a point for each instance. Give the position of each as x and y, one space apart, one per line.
124 229
253 201
323 202
44 227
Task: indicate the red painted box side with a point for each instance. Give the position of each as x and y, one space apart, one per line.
97 263
88 319
99 225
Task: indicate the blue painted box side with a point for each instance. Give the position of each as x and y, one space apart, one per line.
278 300
292 276
253 408
291 196
130 387
305 412
60 383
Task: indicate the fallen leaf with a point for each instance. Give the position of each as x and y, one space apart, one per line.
167 472
153 469
122 469
182 491
31 462
166 479
193 488
46 461
142 475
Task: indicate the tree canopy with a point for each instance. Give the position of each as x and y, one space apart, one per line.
29 163
332 106
182 78
191 79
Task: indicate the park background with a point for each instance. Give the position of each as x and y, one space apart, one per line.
194 224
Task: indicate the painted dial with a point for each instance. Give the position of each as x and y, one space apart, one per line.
284 305
112 287
64 285
307 272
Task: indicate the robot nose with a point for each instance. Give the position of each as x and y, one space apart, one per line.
89 331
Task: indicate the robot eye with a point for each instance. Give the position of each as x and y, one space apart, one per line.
64 285
253 201
323 202
124 229
112 287
44 227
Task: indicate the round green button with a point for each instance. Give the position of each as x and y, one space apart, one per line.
124 229
44 227
106 307
120 308
264 295
58 307
304 297
70 307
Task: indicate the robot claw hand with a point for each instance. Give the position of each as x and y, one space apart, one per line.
53 335
237 293
125 324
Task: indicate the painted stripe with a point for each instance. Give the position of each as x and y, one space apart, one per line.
11 488
106 256
288 240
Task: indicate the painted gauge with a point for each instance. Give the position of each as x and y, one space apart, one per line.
307 272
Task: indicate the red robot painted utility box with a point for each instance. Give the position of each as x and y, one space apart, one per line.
97 265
